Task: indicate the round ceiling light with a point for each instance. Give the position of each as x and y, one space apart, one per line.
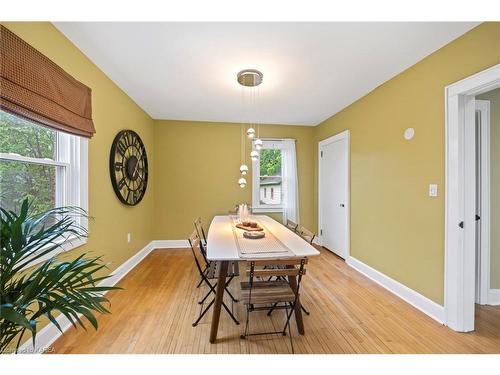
250 77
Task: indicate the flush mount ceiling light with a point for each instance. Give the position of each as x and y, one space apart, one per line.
250 77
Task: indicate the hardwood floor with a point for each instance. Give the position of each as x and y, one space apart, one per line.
349 314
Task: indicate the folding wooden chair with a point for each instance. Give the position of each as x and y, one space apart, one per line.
291 225
306 234
198 226
277 293
213 273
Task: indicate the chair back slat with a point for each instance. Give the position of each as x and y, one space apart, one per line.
194 239
198 225
307 235
278 267
279 262
268 272
291 225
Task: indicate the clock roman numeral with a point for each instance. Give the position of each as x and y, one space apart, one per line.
118 167
122 148
121 183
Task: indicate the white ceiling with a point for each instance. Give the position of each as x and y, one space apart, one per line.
187 71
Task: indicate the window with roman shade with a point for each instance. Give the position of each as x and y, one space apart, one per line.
45 123
35 88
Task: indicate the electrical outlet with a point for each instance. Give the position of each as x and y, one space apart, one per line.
129 237
433 190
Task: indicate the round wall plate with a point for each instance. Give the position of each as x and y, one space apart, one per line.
409 133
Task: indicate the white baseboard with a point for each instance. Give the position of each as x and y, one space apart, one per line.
494 297
417 300
49 334
170 244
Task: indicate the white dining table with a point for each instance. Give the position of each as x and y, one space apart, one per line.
223 246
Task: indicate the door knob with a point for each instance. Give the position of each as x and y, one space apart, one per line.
342 205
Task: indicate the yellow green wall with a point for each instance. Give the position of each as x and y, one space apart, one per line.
396 227
112 111
198 169
494 98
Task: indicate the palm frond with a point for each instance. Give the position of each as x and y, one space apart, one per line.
50 287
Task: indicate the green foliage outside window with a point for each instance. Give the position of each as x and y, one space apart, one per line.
270 162
22 180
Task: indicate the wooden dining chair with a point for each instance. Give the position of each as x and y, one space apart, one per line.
291 225
211 274
260 295
307 235
198 226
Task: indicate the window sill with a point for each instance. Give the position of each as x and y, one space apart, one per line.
66 245
260 210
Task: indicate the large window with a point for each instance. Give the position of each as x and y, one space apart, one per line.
47 166
268 178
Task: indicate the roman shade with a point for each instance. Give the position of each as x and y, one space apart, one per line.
34 87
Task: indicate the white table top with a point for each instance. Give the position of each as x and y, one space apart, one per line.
221 244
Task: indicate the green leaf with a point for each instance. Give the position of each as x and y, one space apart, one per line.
8 313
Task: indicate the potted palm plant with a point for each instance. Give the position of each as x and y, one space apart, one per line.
31 287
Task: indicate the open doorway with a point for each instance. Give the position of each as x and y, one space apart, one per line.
488 198
471 243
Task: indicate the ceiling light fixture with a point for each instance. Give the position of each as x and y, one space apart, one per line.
250 77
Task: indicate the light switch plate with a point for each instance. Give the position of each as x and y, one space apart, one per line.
433 190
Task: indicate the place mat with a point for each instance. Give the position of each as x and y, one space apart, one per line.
267 247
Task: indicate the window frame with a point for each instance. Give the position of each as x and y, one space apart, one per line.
71 180
257 207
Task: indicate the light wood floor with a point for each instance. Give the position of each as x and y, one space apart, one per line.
349 314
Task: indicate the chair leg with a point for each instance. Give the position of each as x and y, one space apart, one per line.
245 335
203 313
227 288
201 280
212 290
288 316
290 330
305 310
230 295
204 298
272 309
230 313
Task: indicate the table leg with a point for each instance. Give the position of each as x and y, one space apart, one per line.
221 282
292 280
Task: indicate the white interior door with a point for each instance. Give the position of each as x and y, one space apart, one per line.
334 193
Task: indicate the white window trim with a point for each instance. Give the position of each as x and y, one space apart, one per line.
268 143
72 154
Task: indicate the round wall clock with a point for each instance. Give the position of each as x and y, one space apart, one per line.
128 167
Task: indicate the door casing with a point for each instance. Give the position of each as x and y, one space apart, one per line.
460 205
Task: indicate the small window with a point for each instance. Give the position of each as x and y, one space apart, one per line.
42 164
267 183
